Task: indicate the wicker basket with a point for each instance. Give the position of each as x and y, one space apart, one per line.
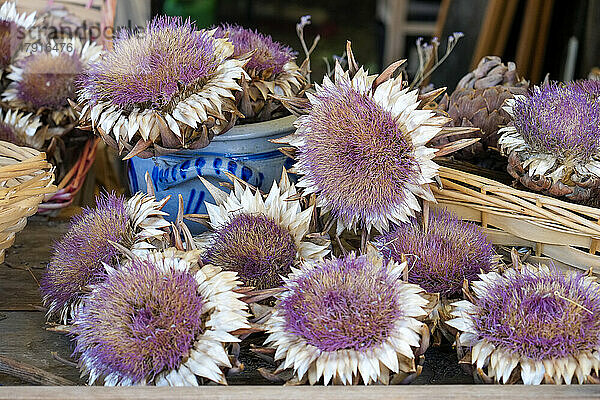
72 182
566 233
25 178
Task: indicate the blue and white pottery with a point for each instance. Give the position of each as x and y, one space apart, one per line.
244 151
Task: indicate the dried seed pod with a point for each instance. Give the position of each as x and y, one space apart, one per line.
477 102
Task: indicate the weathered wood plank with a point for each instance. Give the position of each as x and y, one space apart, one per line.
31 252
23 338
305 392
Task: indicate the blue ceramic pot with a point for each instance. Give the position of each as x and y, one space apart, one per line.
244 151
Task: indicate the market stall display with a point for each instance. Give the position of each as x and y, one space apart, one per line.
346 231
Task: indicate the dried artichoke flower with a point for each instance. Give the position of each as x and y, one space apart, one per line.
532 324
259 237
159 319
553 141
271 67
77 259
169 88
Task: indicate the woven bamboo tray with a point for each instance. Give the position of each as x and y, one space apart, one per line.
25 178
566 233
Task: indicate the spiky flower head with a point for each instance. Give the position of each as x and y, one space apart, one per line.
347 319
21 129
554 142
172 85
362 150
12 25
45 80
271 67
77 259
440 255
259 238
159 319
535 322
267 54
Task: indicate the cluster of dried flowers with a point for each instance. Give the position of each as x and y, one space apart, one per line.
174 86
140 311
40 77
348 272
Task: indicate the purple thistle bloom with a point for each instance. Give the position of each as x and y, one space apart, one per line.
589 86
255 247
140 321
544 315
167 61
357 155
268 54
561 120
77 258
48 80
344 303
441 257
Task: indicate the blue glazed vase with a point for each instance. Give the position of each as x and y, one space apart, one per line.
244 151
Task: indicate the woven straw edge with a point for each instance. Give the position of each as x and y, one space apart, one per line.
554 228
25 178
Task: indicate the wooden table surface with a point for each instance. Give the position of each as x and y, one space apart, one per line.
24 338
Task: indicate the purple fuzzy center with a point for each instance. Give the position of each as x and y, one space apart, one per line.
256 247
356 154
77 258
541 316
48 81
442 256
343 304
589 86
563 121
170 60
268 54
140 321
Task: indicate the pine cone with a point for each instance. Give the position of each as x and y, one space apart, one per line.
491 71
477 102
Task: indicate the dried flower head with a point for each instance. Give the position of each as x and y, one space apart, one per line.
172 85
347 318
260 239
441 255
537 321
271 67
11 36
45 80
267 54
21 129
256 247
553 143
77 258
362 151
159 319
562 121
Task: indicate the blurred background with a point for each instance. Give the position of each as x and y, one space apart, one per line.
546 38
559 38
